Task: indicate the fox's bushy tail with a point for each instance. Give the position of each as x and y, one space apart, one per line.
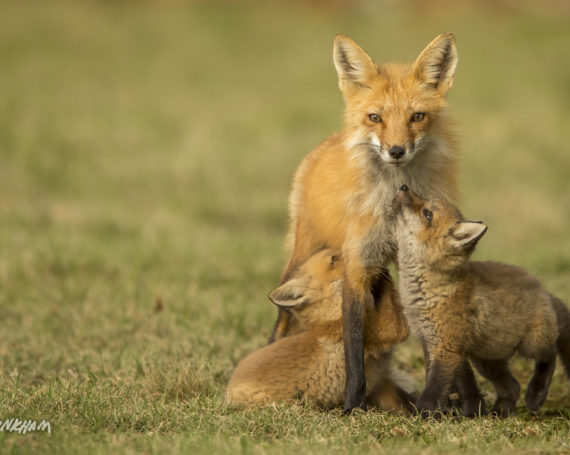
563 342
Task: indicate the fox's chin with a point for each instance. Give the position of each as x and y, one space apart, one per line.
391 162
397 163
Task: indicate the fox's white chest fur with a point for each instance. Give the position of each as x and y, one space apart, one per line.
381 181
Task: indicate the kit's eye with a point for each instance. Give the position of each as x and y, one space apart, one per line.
428 215
374 118
334 259
418 117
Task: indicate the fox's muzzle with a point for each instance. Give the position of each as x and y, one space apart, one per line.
401 199
405 197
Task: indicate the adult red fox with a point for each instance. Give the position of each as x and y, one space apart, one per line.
484 311
396 130
309 366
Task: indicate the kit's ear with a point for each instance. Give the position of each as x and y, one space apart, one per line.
467 234
436 64
289 295
353 65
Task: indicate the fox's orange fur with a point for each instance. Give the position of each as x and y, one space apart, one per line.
309 366
396 131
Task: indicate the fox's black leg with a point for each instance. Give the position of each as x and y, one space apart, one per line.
538 386
506 386
441 372
353 340
473 404
430 399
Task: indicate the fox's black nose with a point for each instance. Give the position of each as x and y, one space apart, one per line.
396 152
404 188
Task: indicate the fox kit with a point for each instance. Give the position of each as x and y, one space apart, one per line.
484 311
395 130
310 365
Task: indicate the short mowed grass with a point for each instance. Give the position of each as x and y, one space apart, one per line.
146 154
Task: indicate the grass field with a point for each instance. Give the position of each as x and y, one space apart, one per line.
146 155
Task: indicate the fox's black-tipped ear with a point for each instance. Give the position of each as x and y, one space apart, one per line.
290 294
354 66
437 62
467 234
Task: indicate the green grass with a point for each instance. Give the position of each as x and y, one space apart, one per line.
146 154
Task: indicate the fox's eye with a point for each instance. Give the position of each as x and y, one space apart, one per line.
334 259
428 215
418 117
374 118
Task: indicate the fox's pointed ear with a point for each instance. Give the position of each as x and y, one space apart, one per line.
354 66
467 234
289 294
436 64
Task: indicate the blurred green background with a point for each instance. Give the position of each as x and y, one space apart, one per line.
146 155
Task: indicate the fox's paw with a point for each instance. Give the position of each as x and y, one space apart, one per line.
474 408
354 402
355 398
428 408
436 414
353 409
503 408
538 386
535 398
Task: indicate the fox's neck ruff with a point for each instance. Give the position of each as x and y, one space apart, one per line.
430 173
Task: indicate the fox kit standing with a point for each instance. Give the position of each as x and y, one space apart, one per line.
395 130
485 311
310 365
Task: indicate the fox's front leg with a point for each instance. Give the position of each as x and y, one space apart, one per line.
442 367
356 285
473 403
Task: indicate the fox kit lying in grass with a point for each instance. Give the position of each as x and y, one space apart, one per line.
310 365
396 130
484 311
